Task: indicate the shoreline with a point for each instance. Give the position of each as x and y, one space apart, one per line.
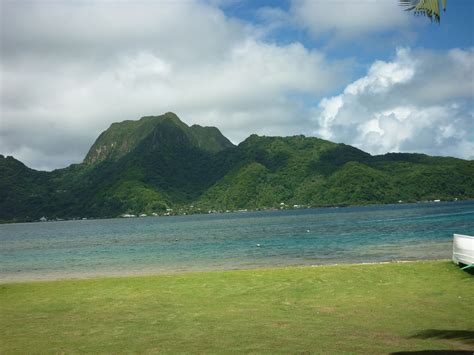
220 213
169 273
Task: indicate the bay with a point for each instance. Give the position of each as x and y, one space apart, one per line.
76 249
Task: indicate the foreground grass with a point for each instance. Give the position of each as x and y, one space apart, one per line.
331 309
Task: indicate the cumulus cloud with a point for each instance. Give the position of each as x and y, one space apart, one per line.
421 101
70 69
348 18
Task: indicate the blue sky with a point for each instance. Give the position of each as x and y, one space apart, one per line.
364 73
456 30
456 27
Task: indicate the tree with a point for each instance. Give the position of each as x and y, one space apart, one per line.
428 8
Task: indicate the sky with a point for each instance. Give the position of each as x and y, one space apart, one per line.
364 73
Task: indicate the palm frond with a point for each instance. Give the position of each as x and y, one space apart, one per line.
428 8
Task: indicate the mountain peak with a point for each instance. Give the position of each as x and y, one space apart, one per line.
168 116
123 137
158 162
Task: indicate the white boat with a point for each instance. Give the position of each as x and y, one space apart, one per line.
463 249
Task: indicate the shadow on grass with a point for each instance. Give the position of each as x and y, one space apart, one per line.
466 336
470 270
434 352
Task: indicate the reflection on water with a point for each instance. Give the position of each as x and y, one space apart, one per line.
214 242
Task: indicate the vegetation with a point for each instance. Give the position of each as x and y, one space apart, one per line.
428 8
157 164
122 138
362 309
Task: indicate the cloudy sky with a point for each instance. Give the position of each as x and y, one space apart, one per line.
364 73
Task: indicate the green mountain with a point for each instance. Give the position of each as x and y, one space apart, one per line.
124 137
21 189
158 163
312 172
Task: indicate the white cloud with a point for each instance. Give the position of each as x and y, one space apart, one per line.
383 76
348 18
419 102
70 69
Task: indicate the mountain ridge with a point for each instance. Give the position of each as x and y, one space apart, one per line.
122 137
159 163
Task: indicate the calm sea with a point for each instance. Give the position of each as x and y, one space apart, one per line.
228 241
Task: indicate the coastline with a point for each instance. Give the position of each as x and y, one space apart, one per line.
247 210
178 245
170 273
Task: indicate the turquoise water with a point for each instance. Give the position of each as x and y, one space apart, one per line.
228 241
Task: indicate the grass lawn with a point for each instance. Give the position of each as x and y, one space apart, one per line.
331 309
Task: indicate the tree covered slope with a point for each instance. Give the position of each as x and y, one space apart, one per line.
159 163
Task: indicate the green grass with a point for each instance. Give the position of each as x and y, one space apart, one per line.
331 309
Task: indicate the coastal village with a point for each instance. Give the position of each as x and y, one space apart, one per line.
193 210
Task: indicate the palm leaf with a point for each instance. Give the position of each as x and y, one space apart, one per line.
428 8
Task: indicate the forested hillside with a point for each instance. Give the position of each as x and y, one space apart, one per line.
160 165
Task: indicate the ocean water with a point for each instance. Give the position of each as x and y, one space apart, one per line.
70 249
